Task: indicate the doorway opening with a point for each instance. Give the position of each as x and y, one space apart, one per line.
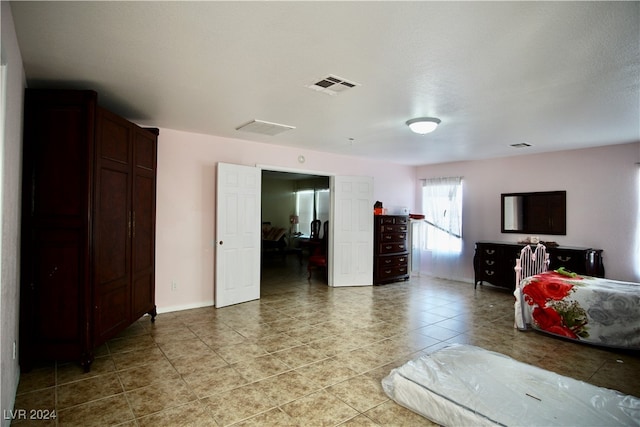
290 202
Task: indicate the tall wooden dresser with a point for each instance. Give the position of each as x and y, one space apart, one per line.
494 262
88 226
391 248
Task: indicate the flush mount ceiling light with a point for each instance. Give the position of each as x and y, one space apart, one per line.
423 125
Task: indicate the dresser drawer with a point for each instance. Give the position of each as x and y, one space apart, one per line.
391 272
393 237
394 228
392 261
392 248
388 219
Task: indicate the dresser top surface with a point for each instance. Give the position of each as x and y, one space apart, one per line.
550 248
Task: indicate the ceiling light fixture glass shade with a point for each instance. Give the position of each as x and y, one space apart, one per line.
423 125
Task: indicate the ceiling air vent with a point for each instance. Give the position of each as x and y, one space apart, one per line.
332 85
264 128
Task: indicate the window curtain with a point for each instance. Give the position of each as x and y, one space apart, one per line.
441 239
310 205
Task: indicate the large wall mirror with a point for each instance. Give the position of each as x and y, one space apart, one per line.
543 212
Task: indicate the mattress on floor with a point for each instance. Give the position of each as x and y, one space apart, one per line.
463 385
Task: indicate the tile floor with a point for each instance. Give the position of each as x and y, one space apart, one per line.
304 354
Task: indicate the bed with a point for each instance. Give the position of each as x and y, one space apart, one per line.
582 308
273 240
463 385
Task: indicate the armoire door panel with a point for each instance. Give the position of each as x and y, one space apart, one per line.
113 310
60 257
144 226
145 150
60 169
143 293
114 227
115 137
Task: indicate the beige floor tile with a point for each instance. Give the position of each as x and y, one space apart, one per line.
37 378
273 417
215 381
240 352
175 349
260 367
145 375
104 412
72 371
326 372
390 414
198 363
222 338
192 414
135 358
130 343
362 359
83 391
238 404
360 421
361 392
298 356
44 399
159 396
319 408
286 387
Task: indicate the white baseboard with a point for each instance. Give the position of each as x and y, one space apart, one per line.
184 307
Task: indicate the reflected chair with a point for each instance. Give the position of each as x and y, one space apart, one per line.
318 258
315 229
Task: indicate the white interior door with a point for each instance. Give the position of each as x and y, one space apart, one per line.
351 244
237 277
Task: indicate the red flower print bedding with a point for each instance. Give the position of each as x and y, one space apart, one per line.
589 309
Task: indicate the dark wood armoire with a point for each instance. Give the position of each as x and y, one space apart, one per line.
88 226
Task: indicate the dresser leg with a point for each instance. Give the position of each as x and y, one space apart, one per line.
85 361
153 313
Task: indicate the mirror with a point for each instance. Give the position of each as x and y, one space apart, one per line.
542 212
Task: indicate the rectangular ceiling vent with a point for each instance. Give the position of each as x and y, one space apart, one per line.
264 128
332 85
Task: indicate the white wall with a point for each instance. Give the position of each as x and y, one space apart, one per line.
602 186
10 180
186 202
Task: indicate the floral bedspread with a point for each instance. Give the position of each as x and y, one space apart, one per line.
589 309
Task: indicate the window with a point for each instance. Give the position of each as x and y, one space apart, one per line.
442 207
310 205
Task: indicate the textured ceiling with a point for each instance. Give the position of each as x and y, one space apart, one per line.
557 75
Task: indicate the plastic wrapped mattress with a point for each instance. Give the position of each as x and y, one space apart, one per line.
463 385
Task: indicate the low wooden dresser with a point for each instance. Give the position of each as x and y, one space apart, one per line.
494 262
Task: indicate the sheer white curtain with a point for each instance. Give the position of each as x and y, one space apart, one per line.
310 205
442 234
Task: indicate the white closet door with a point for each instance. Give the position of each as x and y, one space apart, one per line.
351 242
238 199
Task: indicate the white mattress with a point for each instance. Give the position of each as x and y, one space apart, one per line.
463 385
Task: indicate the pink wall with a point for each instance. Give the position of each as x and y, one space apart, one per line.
186 198
602 187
